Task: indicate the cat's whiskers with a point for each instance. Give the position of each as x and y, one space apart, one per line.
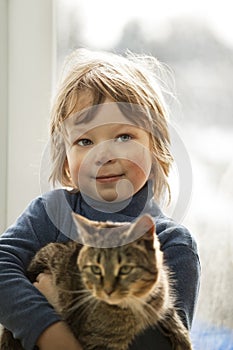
95 303
146 310
91 305
134 304
80 301
72 291
140 309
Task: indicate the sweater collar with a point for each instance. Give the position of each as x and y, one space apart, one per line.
141 202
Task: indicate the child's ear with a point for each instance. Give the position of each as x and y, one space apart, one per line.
66 174
153 169
66 168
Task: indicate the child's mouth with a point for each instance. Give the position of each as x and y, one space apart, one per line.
109 178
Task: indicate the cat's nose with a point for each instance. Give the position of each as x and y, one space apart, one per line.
108 290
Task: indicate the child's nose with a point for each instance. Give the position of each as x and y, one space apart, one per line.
104 154
102 159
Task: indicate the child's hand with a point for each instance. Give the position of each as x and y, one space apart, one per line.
57 336
44 284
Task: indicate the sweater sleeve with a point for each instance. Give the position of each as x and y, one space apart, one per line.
180 255
23 309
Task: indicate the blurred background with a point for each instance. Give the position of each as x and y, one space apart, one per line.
195 39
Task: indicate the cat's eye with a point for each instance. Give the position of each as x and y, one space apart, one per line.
125 269
96 270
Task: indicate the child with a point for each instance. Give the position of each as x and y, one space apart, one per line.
110 145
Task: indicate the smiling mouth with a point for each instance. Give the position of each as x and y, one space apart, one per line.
109 178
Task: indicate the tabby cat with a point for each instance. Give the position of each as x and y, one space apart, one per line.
111 287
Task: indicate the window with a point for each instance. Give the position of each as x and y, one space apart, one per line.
195 40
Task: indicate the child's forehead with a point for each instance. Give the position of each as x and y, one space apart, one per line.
107 113
97 115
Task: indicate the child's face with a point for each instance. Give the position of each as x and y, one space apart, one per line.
108 157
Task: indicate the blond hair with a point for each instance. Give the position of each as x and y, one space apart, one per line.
132 79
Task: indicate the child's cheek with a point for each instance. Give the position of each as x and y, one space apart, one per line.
139 159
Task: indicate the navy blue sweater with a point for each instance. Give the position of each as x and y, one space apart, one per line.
23 309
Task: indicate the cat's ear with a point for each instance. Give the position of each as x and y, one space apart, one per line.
81 221
85 227
144 228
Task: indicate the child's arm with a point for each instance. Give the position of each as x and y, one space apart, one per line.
23 309
58 337
180 254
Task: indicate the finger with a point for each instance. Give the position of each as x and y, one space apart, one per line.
42 275
39 277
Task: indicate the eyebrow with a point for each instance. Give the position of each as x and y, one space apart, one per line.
86 116
128 110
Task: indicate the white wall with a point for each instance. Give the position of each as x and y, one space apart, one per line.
3 108
27 66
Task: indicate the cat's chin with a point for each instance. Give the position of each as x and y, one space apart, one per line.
120 303
113 301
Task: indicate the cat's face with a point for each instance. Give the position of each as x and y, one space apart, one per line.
119 275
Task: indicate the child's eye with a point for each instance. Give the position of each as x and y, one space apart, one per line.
84 142
124 138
